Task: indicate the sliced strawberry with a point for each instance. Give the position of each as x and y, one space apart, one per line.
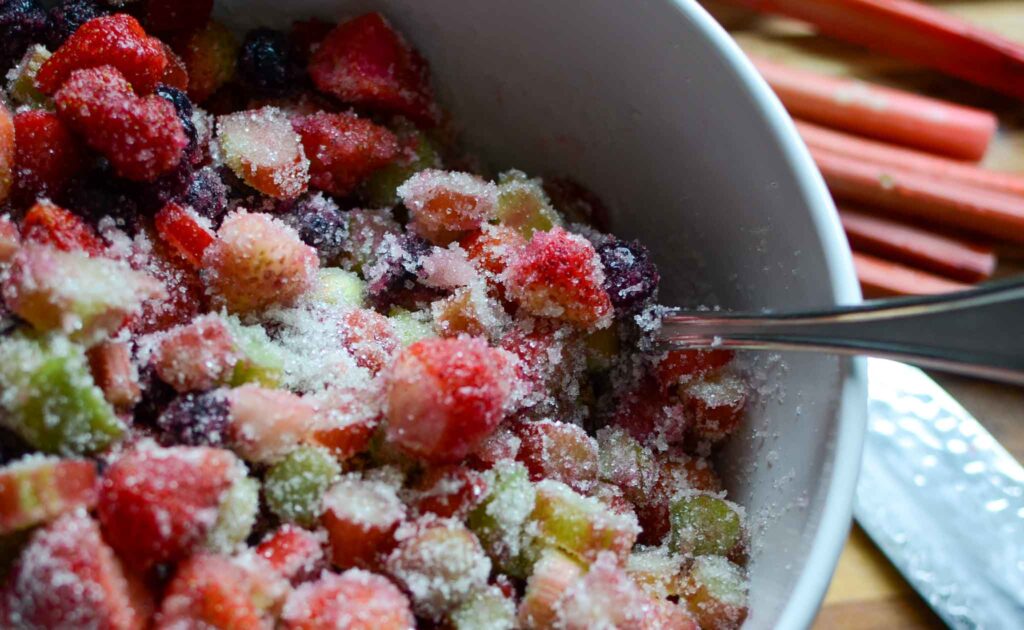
344 149
443 205
185 298
47 155
258 261
354 600
297 554
263 149
445 396
67 577
361 517
491 249
680 366
209 55
37 489
213 591
364 61
141 136
117 40
369 337
176 72
448 491
559 275
52 225
7 150
198 356
265 424
110 364
560 451
182 230
157 505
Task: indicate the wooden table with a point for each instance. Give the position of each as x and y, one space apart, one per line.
867 592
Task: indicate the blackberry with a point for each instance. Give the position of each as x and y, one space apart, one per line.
196 419
98 193
67 16
183 106
207 194
266 63
393 278
23 23
630 277
320 225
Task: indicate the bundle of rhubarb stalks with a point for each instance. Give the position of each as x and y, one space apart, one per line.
921 214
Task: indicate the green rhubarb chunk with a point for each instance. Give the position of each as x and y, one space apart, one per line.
523 204
486 610
295 486
704 525
578 525
21 79
47 396
379 190
236 516
411 326
500 521
261 361
338 287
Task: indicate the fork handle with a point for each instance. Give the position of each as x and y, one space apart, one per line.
979 332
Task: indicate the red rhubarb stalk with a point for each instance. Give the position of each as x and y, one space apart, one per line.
883 278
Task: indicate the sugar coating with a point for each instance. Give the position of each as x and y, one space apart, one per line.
261 147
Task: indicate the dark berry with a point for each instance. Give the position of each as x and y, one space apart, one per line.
630 277
320 225
266 63
197 419
98 193
183 107
156 396
67 16
167 188
394 277
207 194
22 23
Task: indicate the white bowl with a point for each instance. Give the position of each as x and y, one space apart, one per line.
652 105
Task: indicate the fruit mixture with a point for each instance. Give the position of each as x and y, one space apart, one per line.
275 354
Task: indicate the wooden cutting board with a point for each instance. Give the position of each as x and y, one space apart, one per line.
867 592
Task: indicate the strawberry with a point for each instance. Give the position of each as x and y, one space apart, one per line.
7 152
198 356
185 298
158 505
263 149
559 275
502 445
440 563
214 591
296 554
67 577
345 422
675 472
445 204
364 61
10 239
715 403
448 491
46 155
176 73
369 337
52 225
182 229
354 600
256 262
491 249
117 40
110 364
209 56
266 424
37 489
141 136
344 149
360 518
445 396
560 451
166 16
681 366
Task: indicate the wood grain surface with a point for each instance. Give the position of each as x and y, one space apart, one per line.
866 592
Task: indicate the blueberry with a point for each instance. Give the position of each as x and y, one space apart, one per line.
266 63
183 106
22 23
67 16
207 194
630 277
393 278
320 225
196 419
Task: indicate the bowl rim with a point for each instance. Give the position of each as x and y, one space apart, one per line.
851 413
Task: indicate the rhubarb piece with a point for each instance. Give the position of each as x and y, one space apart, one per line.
440 563
489 609
449 491
345 423
523 205
261 147
705 525
360 517
295 486
354 600
714 403
417 152
580 526
110 364
197 356
500 521
54 404
657 571
883 278
236 516
185 232
552 577
558 451
716 593
37 489
444 204
21 80
266 424
7 152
